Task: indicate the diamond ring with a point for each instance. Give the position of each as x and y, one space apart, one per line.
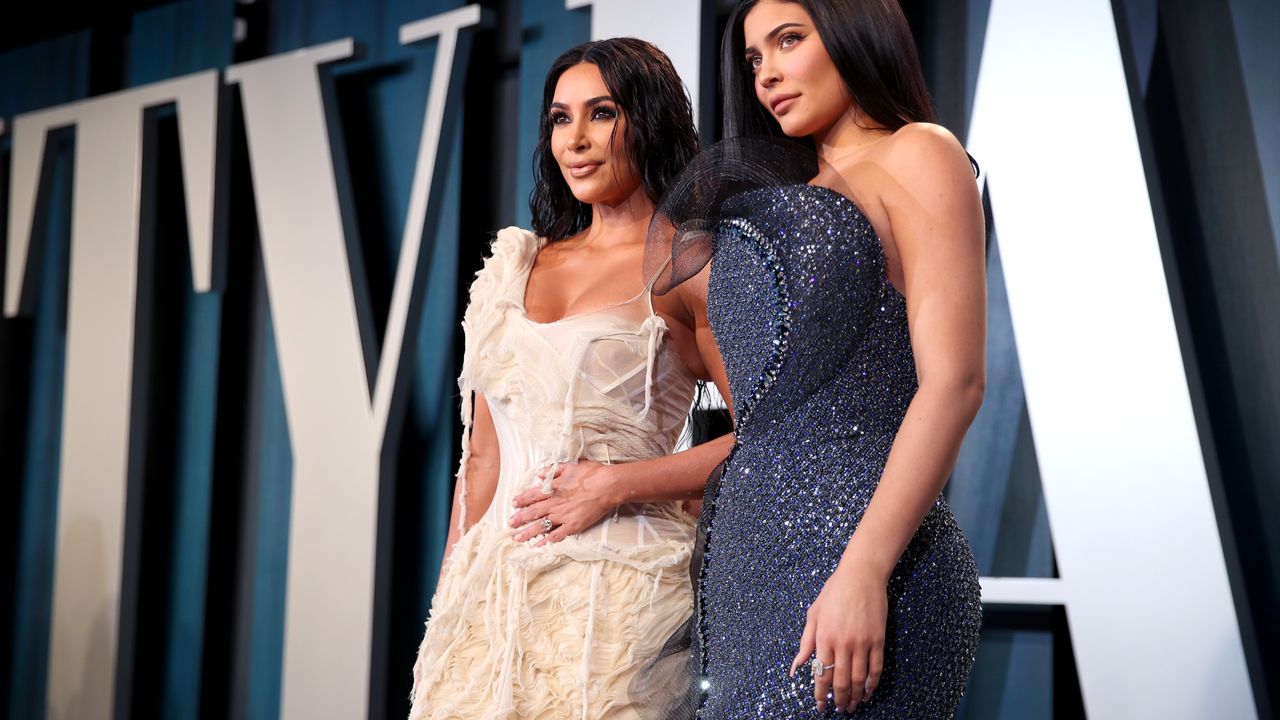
546 524
819 668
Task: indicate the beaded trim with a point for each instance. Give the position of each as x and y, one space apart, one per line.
767 250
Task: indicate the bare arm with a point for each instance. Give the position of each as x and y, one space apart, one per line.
480 476
936 222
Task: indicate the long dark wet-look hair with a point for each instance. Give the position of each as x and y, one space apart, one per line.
871 46
660 136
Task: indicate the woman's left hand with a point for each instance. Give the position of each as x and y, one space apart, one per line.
845 628
580 496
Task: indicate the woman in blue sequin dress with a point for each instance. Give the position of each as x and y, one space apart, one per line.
850 313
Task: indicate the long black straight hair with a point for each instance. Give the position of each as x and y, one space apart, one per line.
871 46
660 136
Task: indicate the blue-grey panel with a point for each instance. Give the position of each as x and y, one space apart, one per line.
549 30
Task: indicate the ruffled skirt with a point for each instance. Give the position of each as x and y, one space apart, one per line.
547 633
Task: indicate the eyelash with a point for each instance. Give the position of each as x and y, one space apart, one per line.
797 37
599 113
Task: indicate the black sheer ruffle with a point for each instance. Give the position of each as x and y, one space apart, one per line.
681 236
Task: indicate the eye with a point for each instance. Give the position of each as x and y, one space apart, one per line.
559 118
604 113
789 39
754 62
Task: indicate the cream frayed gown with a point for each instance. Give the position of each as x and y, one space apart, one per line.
558 632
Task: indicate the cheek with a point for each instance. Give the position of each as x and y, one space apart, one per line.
620 157
557 144
803 65
560 144
610 139
818 78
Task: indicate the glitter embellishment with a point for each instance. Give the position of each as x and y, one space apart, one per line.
818 355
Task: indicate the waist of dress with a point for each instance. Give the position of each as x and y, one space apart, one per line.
842 407
631 524
816 425
642 542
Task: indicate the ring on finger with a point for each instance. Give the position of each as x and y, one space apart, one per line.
547 525
819 668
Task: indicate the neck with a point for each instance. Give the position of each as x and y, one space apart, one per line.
846 136
619 222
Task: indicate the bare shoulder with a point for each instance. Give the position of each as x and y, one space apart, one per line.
674 309
686 302
930 193
917 149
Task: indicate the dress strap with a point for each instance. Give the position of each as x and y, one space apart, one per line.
653 279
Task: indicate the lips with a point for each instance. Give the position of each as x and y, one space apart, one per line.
781 103
579 170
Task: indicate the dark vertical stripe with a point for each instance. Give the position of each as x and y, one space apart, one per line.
182 346
39 349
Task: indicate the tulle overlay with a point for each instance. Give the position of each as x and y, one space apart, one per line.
559 631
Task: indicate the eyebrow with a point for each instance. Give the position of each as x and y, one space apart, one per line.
772 34
593 101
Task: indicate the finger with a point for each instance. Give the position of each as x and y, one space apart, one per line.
529 497
529 532
536 511
822 682
841 679
533 529
554 536
856 676
806 647
546 467
875 666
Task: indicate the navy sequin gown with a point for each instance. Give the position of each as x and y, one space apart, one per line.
818 355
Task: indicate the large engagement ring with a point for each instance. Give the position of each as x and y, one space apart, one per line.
819 668
547 525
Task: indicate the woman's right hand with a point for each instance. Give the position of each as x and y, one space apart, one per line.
582 494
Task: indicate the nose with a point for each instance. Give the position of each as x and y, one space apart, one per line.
578 141
767 74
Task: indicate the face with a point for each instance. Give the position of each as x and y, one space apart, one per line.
795 79
587 138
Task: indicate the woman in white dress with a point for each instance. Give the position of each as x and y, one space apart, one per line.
569 363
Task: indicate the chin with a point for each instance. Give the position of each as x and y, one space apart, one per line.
584 192
793 127
587 195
